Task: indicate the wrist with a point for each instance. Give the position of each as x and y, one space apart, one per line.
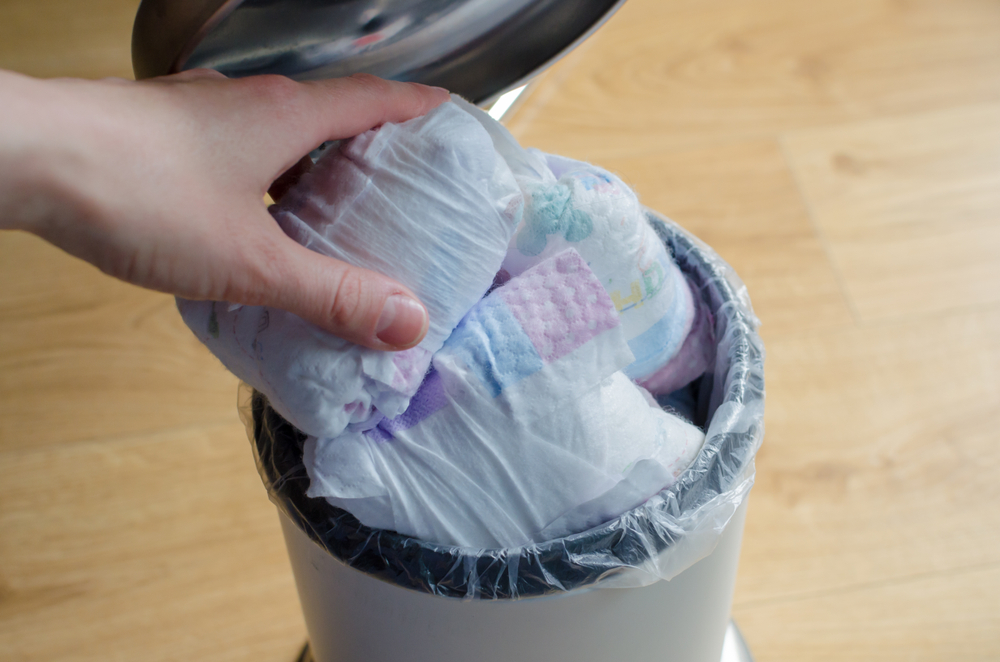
35 183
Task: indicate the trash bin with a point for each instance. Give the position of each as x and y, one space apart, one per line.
656 582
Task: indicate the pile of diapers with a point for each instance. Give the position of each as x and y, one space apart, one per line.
528 412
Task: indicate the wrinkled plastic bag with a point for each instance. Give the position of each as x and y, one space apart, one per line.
572 204
446 243
525 430
656 540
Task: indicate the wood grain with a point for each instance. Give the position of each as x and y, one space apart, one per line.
880 461
83 356
161 547
909 206
741 199
688 72
945 616
49 38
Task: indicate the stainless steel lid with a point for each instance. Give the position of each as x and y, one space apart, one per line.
476 48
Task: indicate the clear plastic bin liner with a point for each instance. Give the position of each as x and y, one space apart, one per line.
657 540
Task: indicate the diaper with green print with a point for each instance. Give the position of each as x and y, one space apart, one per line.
578 205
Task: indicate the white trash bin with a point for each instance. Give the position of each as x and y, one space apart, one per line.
656 582
352 616
373 595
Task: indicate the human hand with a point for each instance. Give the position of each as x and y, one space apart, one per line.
161 183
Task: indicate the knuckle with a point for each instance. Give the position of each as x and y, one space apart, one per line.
348 300
278 89
369 80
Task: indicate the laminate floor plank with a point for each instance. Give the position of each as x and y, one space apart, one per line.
880 460
83 356
665 74
159 547
947 616
909 207
741 199
49 38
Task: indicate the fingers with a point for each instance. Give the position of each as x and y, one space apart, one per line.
264 124
369 101
243 134
356 304
297 117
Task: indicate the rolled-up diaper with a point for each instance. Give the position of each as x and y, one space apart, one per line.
525 430
574 204
597 214
517 419
695 357
428 202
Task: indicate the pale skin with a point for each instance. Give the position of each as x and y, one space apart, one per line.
161 183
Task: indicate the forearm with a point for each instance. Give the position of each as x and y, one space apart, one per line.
55 179
31 194
161 183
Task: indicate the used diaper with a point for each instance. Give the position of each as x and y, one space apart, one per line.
525 429
522 415
574 204
428 202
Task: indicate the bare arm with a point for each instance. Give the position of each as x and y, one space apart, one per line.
161 183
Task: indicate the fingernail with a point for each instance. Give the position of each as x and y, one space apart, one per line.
402 322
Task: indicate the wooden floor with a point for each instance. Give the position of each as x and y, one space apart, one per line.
843 155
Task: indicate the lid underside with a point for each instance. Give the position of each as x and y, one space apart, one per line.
476 48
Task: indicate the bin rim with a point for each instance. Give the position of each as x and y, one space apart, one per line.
722 472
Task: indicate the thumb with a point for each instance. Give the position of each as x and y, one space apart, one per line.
352 303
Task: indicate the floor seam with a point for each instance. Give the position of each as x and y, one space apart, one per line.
838 276
114 440
864 586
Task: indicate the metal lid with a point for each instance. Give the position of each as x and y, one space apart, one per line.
476 48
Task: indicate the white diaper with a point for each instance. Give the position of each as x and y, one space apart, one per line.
427 202
525 430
